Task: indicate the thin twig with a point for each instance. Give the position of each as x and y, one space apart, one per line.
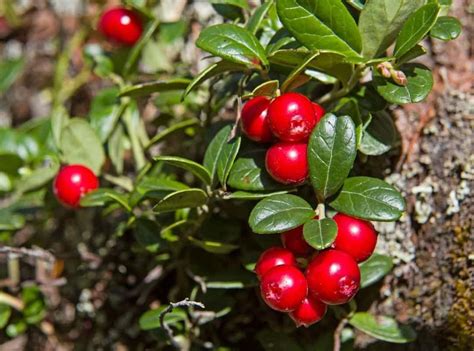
183 303
35 252
337 334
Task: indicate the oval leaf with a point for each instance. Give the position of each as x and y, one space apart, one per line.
379 136
233 43
187 198
416 28
320 234
255 21
279 213
446 28
191 166
81 145
321 25
420 82
374 269
331 153
102 196
369 198
382 328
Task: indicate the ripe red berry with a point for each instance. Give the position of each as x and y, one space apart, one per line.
355 237
283 288
287 162
72 182
294 241
319 111
272 257
121 25
291 117
254 119
310 311
333 277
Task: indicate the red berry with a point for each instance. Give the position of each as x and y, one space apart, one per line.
254 119
333 277
355 237
272 257
291 117
287 162
72 182
294 241
319 111
310 311
121 25
283 288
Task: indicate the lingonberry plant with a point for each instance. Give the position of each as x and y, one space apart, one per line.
252 180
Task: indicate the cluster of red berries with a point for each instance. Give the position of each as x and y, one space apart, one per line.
332 276
121 25
290 118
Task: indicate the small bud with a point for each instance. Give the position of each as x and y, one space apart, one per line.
384 69
399 77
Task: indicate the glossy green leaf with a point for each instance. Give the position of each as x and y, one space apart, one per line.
9 71
446 28
320 234
233 43
189 165
187 198
105 112
5 313
331 153
148 88
413 53
374 269
255 21
380 21
416 28
249 172
147 234
155 188
321 25
296 74
151 319
246 195
268 88
102 196
420 83
221 154
214 247
81 145
379 136
382 328
369 198
212 71
279 213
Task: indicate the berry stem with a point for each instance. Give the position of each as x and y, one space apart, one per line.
337 335
321 211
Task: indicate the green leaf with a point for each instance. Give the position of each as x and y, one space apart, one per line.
249 172
245 195
187 198
116 148
5 313
413 53
369 198
380 135
446 28
81 145
172 129
416 28
291 82
268 88
148 88
9 71
147 234
105 112
102 196
214 247
233 43
255 21
11 221
380 21
191 166
220 154
420 83
279 213
320 234
151 319
138 47
59 120
382 328
374 269
40 176
321 25
212 71
331 153
133 123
